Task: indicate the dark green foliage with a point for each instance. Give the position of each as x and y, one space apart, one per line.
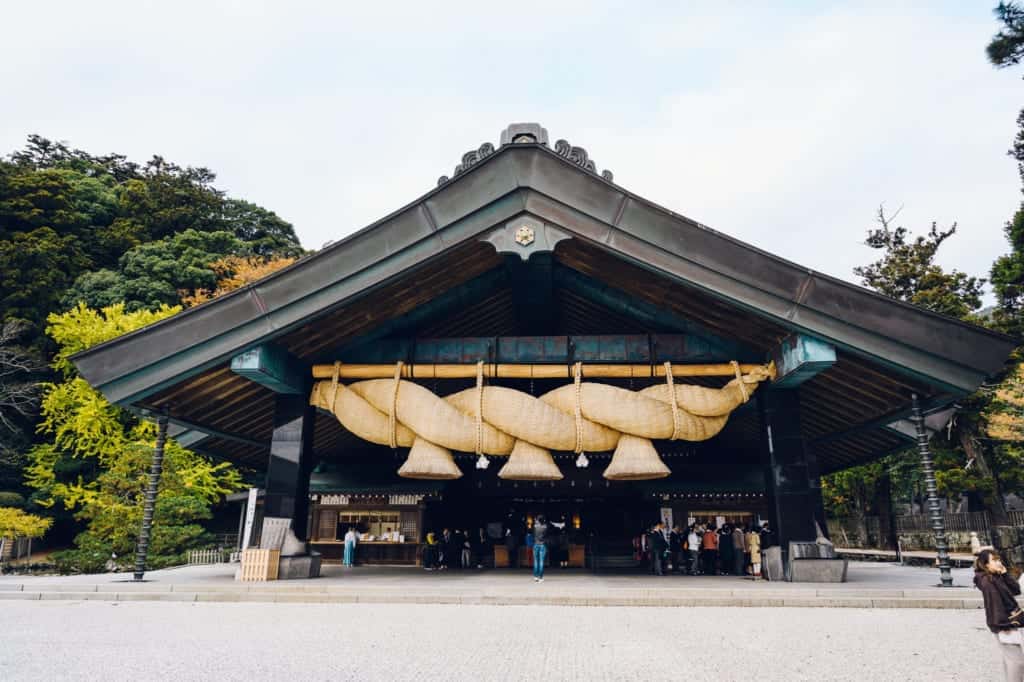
176 530
11 499
1008 270
1007 49
263 232
116 231
155 273
907 270
1007 46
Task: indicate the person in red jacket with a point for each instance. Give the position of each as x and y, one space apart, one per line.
709 549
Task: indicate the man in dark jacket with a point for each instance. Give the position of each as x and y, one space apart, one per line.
675 548
449 550
658 546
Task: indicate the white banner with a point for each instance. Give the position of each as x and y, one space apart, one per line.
666 516
250 516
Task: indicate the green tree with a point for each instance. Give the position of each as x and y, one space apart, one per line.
65 213
156 273
1006 49
19 397
265 234
907 270
967 460
1007 46
17 523
96 458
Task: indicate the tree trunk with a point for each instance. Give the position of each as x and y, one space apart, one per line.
977 451
883 507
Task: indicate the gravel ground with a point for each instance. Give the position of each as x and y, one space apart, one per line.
146 641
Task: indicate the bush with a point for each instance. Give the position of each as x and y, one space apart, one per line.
9 499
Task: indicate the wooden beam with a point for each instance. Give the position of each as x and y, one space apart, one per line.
529 371
800 357
587 348
271 366
217 433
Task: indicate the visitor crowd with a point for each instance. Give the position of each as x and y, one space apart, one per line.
700 549
455 550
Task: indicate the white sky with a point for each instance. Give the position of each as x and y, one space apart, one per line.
783 128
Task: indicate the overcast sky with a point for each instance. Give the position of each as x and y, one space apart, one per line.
784 128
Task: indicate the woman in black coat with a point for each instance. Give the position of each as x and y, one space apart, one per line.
1002 614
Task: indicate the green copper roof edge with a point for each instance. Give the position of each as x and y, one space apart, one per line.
436 239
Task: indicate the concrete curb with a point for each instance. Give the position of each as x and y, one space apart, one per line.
848 599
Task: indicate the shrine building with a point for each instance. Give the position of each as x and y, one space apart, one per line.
529 337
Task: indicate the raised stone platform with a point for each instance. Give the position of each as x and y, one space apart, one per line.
869 586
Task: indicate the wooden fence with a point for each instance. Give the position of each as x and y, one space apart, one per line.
197 557
12 549
922 523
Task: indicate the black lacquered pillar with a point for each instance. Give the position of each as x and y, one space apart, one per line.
291 461
149 502
938 523
790 469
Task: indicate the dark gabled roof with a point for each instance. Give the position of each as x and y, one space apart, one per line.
529 178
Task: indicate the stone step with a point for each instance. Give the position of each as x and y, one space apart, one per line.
526 597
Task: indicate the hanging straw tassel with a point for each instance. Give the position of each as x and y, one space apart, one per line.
635 459
430 462
530 463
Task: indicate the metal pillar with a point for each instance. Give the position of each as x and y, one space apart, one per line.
151 489
938 524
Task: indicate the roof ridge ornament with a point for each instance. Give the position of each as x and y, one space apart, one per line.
527 133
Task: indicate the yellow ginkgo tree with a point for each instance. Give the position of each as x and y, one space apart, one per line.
96 458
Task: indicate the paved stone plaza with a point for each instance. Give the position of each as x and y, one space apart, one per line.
145 641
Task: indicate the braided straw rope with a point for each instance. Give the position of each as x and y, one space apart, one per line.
672 401
393 407
479 406
491 420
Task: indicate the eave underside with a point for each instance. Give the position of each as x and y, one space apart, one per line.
844 408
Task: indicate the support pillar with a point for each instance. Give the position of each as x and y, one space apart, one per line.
938 524
149 504
288 470
793 503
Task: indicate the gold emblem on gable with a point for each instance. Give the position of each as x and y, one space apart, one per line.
524 235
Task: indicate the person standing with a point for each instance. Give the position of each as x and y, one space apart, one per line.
754 547
675 548
709 546
1002 613
466 540
448 550
739 548
430 559
350 547
480 547
767 536
512 547
725 553
540 549
658 546
693 549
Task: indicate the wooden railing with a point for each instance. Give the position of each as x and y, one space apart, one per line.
198 557
963 522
